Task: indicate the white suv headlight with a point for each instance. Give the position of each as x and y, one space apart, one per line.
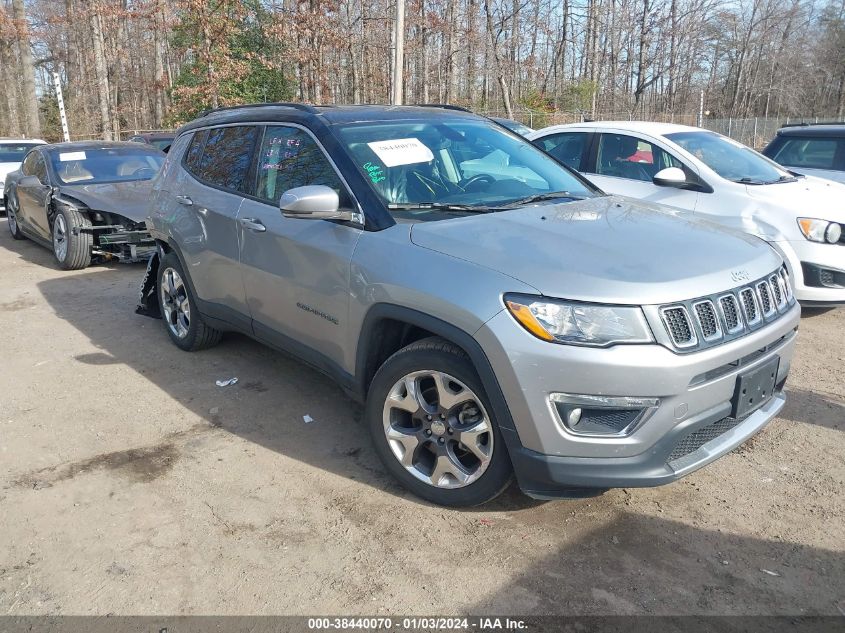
820 230
579 323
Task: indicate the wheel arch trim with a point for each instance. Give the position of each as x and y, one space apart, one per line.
387 311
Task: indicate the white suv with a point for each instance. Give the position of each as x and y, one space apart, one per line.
722 180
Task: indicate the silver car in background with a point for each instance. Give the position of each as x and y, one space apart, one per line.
517 322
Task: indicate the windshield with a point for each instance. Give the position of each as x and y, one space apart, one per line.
730 159
462 162
14 152
111 164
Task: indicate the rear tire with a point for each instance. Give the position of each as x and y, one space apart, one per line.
434 428
179 311
12 218
71 247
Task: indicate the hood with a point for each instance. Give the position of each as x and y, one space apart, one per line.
608 249
807 197
128 199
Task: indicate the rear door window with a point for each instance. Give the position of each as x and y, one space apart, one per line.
567 147
226 157
812 153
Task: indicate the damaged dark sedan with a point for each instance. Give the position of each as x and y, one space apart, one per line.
86 201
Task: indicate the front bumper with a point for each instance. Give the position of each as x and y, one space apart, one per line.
549 476
805 259
694 390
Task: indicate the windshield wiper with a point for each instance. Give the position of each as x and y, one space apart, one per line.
757 181
437 206
541 197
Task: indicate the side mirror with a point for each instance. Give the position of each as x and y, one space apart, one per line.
670 177
314 202
30 181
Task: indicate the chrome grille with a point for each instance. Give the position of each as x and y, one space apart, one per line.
777 289
766 303
749 306
730 313
711 329
787 283
707 321
679 326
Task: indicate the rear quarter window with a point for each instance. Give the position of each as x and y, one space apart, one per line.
221 157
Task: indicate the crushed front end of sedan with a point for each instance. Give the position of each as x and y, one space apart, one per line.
87 201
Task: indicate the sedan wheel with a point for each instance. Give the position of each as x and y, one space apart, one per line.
72 239
438 429
12 218
60 238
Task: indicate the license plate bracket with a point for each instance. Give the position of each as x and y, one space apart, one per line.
755 388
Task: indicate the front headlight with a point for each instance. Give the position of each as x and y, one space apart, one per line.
579 323
820 230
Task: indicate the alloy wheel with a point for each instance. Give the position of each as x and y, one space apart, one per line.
175 304
60 237
12 218
438 429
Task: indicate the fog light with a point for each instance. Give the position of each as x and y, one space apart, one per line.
602 415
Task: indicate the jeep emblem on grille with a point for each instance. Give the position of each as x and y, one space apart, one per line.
740 275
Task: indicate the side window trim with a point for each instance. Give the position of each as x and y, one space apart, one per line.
590 162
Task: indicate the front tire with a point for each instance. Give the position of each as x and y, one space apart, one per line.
179 310
71 246
12 218
434 428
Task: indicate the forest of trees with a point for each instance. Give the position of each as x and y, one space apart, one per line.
151 64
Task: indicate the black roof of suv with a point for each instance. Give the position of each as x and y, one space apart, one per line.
814 130
327 115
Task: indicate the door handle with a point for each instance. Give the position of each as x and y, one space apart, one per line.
186 200
253 224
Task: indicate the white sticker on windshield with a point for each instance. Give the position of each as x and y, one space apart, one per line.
401 151
66 156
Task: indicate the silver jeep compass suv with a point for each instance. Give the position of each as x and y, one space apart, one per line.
498 314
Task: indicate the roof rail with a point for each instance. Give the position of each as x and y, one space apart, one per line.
445 106
305 107
805 124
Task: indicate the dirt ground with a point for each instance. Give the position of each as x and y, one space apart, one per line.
131 484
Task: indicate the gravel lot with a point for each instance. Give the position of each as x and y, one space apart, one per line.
131 484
